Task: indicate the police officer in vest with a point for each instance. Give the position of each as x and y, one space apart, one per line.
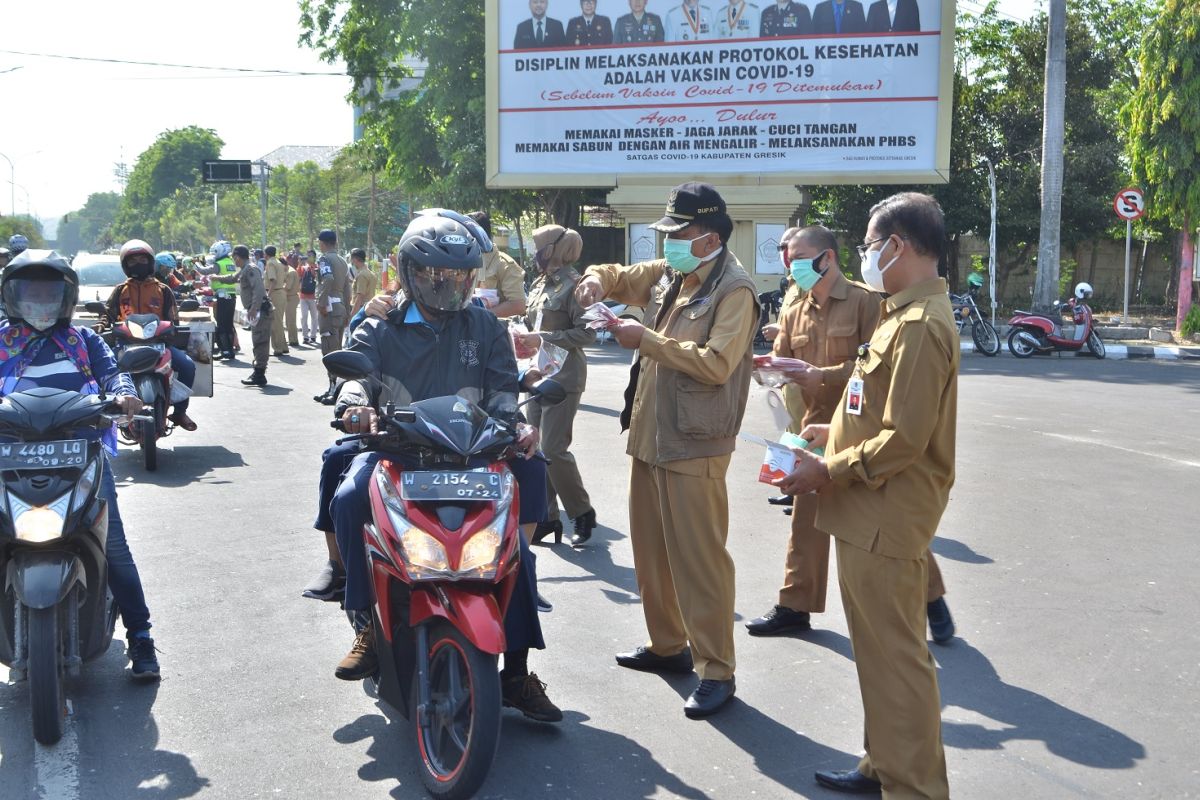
639 25
684 406
225 291
333 301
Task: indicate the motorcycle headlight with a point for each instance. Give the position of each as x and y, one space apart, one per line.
149 331
479 554
39 523
424 556
91 474
135 330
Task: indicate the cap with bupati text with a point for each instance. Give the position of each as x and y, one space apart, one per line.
327 236
689 203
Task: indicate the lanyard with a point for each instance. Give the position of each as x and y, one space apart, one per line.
693 21
733 19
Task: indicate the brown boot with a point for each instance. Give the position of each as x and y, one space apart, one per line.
528 695
361 662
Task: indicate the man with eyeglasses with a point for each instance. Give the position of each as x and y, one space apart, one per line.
883 485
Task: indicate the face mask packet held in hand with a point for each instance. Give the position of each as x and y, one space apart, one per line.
600 317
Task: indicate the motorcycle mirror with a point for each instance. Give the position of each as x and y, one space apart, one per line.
189 305
347 365
548 392
95 307
138 359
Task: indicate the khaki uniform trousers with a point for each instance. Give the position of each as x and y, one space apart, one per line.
805 582
333 328
279 341
293 303
678 525
260 339
884 600
556 426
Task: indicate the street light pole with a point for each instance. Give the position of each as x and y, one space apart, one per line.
992 238
12 192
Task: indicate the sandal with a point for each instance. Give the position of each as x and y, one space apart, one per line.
183 421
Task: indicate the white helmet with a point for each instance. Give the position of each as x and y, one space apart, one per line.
1083 290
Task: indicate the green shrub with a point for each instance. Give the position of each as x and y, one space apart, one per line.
1191 323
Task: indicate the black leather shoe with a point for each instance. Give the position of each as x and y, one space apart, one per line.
708 698
647 661
850 781
779 619
787 510
545 529
941 624
782 500
585 523
257 378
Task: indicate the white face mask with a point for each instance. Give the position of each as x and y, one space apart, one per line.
872 273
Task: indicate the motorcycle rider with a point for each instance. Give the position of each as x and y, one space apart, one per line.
5 256
42 349
436 343
143 293
17 244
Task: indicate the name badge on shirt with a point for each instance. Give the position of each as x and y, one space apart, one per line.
854 396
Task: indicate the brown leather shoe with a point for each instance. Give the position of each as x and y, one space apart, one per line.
361 662
528 695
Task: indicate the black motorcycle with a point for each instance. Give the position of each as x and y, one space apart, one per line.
56 611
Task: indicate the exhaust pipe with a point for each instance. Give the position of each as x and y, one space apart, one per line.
1028 338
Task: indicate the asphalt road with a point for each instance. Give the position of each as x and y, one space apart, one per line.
1068 547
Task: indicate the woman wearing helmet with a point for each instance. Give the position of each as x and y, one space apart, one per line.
17 244
436 343
142 293
40 289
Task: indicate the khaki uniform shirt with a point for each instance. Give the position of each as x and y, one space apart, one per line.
714 362
827 336
893 464
792 296
275 275
502 273
333 287
251 288
556 314
291 285
365 283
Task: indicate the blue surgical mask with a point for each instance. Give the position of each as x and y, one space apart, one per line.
804 271
678 253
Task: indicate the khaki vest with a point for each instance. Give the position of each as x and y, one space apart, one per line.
696 419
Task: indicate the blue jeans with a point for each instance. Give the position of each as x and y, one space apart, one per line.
123 578
351 510
185 371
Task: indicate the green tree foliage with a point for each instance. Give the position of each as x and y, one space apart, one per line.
91 227
173 161
28 226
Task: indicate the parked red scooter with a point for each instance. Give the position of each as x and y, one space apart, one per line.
443 554
1035 333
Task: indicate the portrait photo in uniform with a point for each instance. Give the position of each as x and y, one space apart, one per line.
838 16
785 18
638 26
539 30
589 28
894 16
689 21
738 20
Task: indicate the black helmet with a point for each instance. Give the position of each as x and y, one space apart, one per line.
39 288
440 252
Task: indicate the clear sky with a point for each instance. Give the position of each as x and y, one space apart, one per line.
67 123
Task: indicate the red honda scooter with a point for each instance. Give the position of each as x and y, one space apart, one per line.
443 554
1035 333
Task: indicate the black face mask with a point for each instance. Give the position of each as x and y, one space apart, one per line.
140 272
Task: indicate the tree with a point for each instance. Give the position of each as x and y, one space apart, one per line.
29 227
1053 131
1163 120
172 161
89 228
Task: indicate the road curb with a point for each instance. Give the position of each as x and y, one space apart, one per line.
1119 351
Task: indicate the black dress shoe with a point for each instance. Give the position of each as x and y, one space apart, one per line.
850 781
545 529
782 500
779 619
787 510
647 661
708 698
941 624
585 523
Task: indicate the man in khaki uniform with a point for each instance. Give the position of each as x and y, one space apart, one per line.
275 274
884 485
791 393
556 317
253 292
685 403
824 329
365 280
501 274
291 290
333 301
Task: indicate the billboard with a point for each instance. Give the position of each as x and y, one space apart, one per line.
597 94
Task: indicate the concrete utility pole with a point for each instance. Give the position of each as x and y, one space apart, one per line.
1054 101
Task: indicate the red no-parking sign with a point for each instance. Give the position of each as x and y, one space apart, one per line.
1129 204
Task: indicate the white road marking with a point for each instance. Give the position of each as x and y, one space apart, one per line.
1098 443
56 769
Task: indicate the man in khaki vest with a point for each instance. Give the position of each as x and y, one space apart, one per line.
333 301
684 407
291 290
500 274
884 483
275 275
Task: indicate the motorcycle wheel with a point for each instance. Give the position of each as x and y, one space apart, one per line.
459 741
1017 347
45 677
149 444
1095 345
987 341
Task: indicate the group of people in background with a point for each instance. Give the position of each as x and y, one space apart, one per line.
691 20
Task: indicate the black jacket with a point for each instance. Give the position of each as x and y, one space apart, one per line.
824 21
552 35
908 17
470 354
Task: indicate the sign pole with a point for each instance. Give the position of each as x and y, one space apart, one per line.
1128 240
992 242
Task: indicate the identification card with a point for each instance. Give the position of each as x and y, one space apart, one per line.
854 396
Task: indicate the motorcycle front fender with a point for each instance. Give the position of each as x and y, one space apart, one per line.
42 580
476 615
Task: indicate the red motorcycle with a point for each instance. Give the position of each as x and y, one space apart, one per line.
443 553
1035 333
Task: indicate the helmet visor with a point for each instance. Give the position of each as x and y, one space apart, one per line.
41 303
441 288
